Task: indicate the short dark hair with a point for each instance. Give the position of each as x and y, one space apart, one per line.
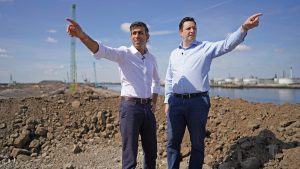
185 19
139 24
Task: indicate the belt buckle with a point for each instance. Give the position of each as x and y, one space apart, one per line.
144 101
186 95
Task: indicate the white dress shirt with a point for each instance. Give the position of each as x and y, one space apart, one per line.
138 73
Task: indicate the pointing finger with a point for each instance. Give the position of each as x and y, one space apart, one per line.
72 21
256 16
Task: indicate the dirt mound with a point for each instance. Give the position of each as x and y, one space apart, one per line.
50 127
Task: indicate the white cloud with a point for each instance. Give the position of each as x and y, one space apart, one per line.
52 31
242 47
161 33
4 53
51 40
125 27
3 50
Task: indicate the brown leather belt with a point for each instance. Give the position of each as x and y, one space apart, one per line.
137 100
190 95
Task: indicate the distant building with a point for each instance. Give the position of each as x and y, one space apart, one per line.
229 80
250 81
266 81
238 81
286 81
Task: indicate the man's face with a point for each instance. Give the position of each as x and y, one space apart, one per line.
189 31
139 37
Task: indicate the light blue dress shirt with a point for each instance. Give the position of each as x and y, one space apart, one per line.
188 67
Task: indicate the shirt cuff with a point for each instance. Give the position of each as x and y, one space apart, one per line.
167 99
242 33
97 55
156 89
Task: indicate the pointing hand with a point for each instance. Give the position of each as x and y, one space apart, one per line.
74 29
252 22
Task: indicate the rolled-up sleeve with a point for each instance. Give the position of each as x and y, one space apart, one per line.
112 54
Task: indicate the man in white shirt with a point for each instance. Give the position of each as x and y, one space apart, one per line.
140 88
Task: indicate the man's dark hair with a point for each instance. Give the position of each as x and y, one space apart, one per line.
185 19
139 24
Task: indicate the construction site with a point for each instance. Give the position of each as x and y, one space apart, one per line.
46 125
71 125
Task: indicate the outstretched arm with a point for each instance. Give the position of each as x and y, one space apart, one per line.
74 30
251 22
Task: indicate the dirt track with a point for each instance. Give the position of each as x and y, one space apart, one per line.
45 126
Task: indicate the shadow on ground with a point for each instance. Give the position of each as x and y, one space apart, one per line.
253 152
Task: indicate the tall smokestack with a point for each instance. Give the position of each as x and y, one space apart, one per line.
291 72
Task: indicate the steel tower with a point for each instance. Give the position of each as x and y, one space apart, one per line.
73 66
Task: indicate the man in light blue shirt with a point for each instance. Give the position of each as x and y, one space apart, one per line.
187 85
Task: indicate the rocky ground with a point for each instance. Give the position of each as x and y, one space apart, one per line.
47 126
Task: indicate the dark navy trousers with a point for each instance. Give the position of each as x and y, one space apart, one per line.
193 113
137 119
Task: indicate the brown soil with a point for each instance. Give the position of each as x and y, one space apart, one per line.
47 126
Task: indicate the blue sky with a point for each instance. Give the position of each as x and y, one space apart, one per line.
34 45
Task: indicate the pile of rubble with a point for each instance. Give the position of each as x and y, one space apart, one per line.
56 130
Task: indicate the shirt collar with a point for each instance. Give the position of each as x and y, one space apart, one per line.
135 51
193 44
